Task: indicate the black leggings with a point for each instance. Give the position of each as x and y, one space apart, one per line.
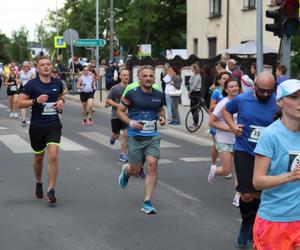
195 98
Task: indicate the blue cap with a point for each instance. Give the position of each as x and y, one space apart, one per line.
287 87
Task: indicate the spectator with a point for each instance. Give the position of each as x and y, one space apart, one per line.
281 74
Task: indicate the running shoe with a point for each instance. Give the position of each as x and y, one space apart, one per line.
51 196
142 174
229 176
123 178
16 115
212 177
11 115
123 158
112 140
242 240
89 122
236 200
23 124
39 191
148 208
83 123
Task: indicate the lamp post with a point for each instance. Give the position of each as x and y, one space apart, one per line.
111 32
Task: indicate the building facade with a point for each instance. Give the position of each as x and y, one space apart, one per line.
215 25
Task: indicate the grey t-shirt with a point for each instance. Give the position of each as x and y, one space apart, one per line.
115 94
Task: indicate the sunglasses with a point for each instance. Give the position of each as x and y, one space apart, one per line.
264 91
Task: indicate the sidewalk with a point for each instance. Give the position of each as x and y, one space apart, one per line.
182 111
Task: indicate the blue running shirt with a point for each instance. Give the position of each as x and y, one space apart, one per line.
43 114
281 203
143 107
254 115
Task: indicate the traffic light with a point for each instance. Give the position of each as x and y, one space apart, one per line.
290 17
276 26
286 18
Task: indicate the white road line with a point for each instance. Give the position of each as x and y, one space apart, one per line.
166 144
186 137
16 144
164 161
178 192
100 138
2 106
195 159
69 145
3 128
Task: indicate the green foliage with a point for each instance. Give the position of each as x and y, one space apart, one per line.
4 49
18 48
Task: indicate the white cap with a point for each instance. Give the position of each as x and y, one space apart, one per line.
287 87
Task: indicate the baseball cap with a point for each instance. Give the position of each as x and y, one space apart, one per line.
287 87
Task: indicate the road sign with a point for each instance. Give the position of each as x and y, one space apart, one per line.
71 36
59 42
90 43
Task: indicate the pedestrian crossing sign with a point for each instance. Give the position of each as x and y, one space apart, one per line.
59 42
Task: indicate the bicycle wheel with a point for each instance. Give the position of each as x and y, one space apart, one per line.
194 121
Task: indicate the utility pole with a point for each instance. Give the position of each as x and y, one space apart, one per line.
57 32
259 37
111 32
99 83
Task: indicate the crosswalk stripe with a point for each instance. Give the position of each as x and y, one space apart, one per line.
100 138
195 159
16 144
164 161
2 106
69 145
166 144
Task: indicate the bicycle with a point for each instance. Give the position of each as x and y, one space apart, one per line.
194 117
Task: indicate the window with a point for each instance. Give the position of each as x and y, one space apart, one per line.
249 4
212 47
195 46
215 8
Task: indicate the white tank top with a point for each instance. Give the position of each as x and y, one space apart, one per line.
87 83
25 77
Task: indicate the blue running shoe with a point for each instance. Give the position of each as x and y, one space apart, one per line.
112 140
123 157
123 178
148 208
142 174
242 241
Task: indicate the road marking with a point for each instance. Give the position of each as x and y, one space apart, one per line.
195 159
164 161
69 145
16 144
178 192
2 128
186 137
166 144
2 106
100 138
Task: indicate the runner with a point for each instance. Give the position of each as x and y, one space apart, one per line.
255 110
24 76
113 99
45 95
86 84
12 84
277 173
145 106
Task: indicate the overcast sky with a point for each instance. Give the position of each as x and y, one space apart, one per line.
28 13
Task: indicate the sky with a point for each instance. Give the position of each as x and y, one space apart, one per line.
28 13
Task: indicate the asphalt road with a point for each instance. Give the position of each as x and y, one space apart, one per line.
93 212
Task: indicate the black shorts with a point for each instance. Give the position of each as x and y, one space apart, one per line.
117 125
244 167
40 137
84 96
10 92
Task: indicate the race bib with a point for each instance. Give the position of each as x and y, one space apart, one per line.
294 160
49 109
13 88
149 126
254 133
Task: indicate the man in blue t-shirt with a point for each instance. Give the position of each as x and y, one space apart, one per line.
145 106
256 110
45 97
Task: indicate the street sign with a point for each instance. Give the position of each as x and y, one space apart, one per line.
71 36
90 43
59 42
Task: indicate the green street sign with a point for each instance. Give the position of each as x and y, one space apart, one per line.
90 43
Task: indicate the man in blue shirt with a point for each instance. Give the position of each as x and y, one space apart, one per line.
145 106
281 74
45 95
255 110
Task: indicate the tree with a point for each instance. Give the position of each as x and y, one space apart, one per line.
4 49
19 51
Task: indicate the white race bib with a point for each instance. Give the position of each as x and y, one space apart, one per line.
254 133
13 88
294 160
49 109
149 126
